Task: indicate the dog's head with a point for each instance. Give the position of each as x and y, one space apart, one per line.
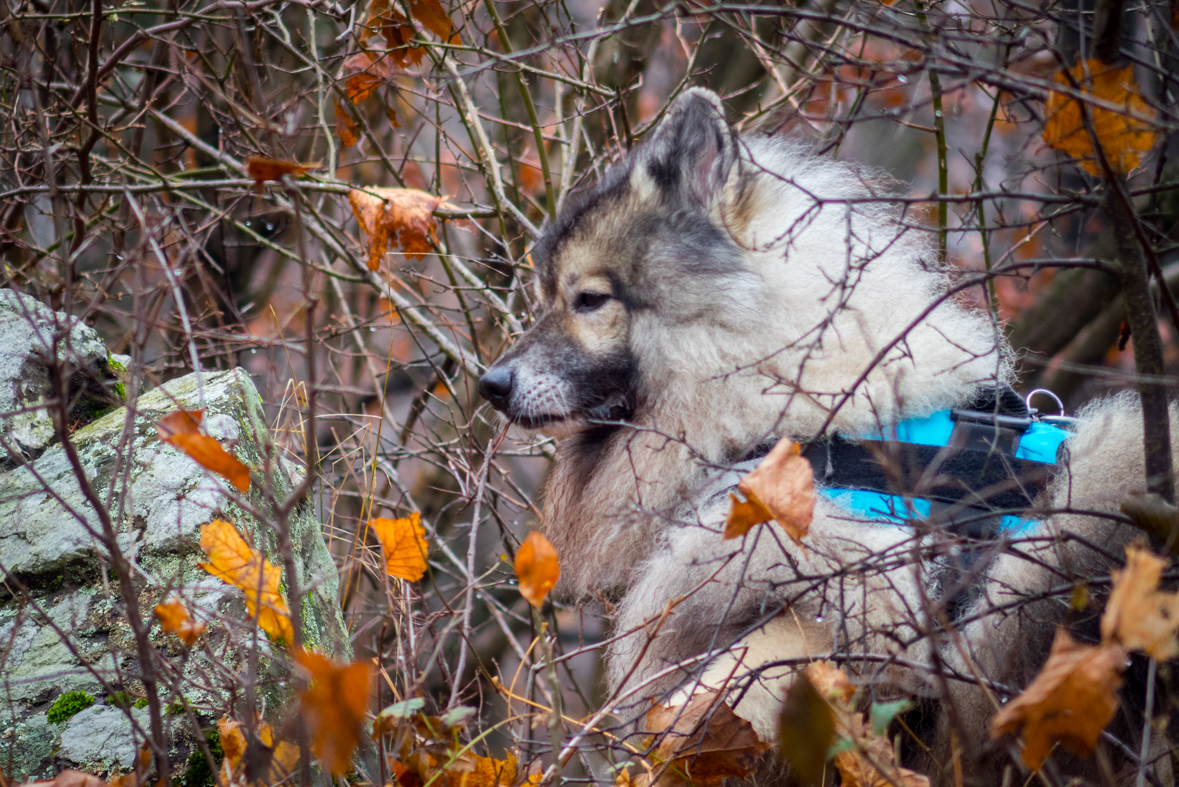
648 238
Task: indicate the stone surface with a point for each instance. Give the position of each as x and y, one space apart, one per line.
63 626
29 334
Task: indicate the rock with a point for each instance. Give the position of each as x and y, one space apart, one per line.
29 333
63 626
102 737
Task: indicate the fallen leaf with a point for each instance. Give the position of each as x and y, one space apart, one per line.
806 729
345 128
281 757
537 568
1070 701
174 618
1122 136
403 217
68 779
360 86
231 560
703 742
483 772
830 681
182 429
1138 615
870 763
334 707
431 14
263 169
782 486
404 543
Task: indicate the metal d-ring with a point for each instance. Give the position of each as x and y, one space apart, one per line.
1059 404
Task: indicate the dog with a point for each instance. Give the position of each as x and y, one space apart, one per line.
713 294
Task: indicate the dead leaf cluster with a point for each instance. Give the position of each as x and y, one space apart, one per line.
1074 696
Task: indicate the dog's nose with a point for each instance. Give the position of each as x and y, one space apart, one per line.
496 386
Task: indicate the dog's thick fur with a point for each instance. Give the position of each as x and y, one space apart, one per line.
712 294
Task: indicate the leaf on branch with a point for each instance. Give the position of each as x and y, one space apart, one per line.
1070 701
782 488
404 543
231 560
401 217
1153 515
182 429
537 568
397 31
345 128
806 729
174 618
703 742
435 19
334 707
360 86
264 169
1124 134
1138 615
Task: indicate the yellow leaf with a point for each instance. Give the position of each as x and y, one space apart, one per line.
404 543
173 617
334 707
1138 615
182 429
537 568
781 487
231 560
345 128
1123 134
402 217
1071 700
483 772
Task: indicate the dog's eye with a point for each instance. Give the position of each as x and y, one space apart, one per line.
588 301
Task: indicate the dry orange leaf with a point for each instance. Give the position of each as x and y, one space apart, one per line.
182 429
401 217
1138 615
231 560
263 169
334 707
68 779
781 487
537 568
431 14
704 741
345 128
483 772
1124 134
404 543
360 86
173 617
1070 701
284 755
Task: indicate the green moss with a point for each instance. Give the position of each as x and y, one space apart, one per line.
141 702
175 709
196 770
120 699
67 705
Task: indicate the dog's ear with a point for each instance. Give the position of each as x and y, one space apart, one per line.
693 151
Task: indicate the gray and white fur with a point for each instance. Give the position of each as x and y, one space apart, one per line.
714 293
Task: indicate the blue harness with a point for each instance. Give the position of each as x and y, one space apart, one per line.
1039 443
